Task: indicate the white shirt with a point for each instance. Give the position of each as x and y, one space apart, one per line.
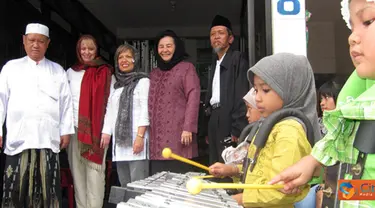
216 83
75 81
140 118
36 99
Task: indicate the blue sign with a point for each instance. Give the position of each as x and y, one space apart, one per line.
281 7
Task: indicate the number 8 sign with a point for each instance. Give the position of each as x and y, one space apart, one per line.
281 7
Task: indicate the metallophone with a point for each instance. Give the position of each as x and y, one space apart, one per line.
167 190
189 190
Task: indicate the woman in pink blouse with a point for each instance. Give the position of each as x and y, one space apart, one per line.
173 105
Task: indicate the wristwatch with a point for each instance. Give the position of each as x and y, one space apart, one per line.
318 188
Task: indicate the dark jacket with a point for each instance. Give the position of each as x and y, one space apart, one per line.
233 86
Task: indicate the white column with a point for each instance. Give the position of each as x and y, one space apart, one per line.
289 26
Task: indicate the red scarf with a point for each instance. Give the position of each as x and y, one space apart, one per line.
95 89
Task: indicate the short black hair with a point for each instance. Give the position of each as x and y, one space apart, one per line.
330 89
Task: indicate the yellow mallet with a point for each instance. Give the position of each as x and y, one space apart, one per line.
167 153
195 186
203 177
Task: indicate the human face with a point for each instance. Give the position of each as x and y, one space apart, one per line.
327 103
362 39
166 48
35 46
88 50
252 113
126 61
220 39
267 100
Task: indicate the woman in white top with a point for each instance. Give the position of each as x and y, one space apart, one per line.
90 84
127 117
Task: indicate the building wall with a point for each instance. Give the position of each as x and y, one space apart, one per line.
328 49
186 32
19 14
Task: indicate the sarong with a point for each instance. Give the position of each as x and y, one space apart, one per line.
32 179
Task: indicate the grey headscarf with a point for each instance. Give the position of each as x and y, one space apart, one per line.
292 78
128 80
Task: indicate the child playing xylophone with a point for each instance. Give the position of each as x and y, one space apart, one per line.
281 81
355 109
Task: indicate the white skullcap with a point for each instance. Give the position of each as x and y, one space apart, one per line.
250 98
37 28
345 11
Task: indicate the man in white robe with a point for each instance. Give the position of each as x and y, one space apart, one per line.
36 101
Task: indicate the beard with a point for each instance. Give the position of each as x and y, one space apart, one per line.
217 49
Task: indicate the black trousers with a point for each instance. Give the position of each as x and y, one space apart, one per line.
2 165
215 140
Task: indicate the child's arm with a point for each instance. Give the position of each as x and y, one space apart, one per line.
237 178
223 170
286 145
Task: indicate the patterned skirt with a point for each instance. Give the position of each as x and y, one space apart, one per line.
32 179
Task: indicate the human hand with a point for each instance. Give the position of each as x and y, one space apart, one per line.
238 198
222 170
106 138
64 141
138 145
296 175
319 196
186 137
